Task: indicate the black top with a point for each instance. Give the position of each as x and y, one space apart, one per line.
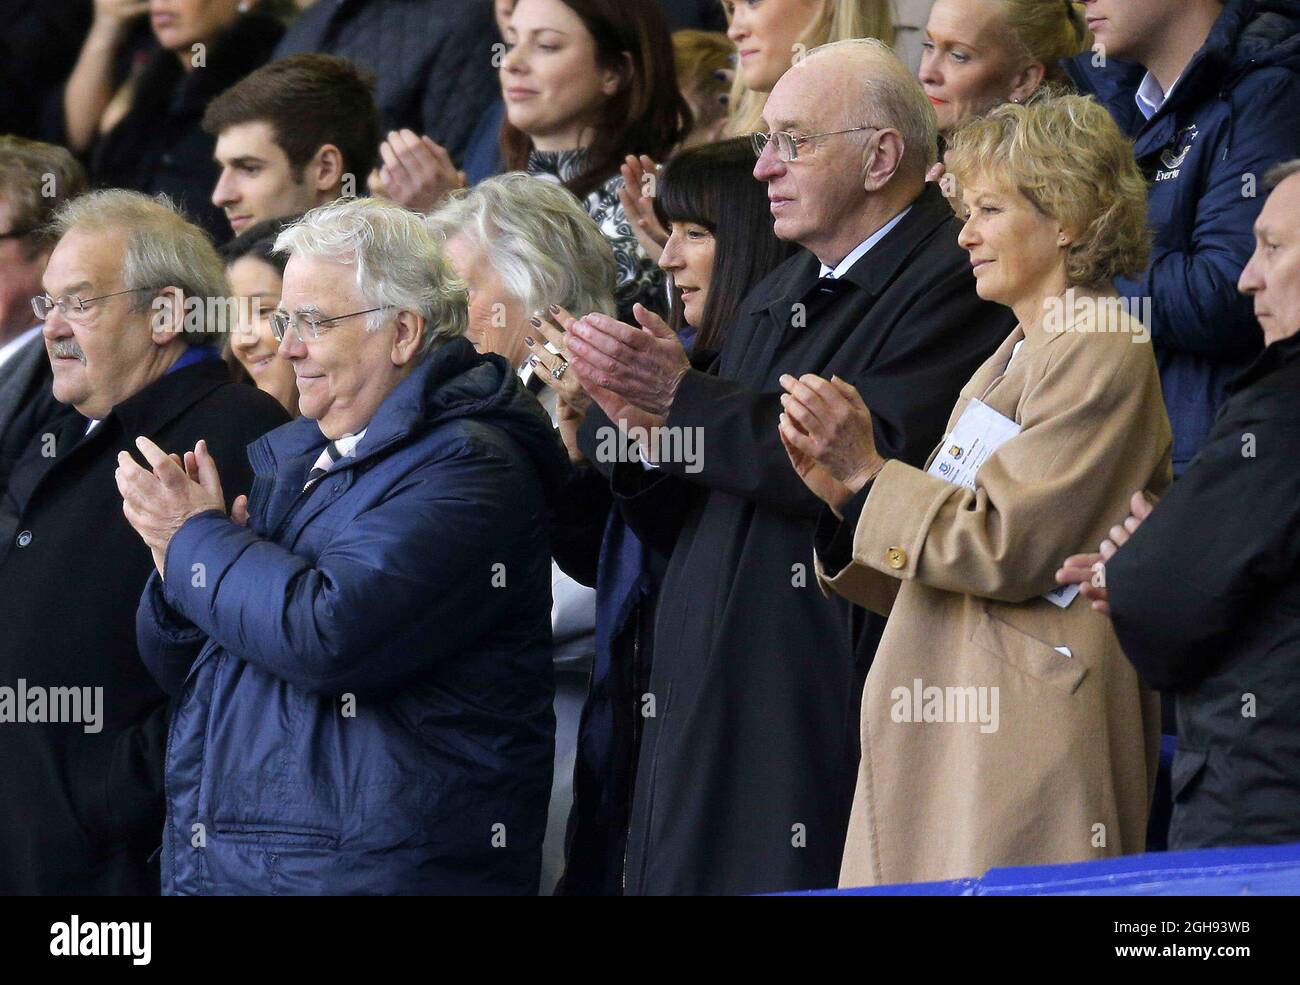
1206 603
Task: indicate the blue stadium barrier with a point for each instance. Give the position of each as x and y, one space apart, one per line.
1271 870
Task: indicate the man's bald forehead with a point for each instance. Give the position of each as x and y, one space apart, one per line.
814 93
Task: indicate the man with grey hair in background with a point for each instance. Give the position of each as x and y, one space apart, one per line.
35 180
747 766
82 724
360 652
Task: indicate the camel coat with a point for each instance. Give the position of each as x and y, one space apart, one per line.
1050 758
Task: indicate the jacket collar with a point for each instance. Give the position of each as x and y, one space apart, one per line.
878 267
145 413
166 398
1282 353
416 403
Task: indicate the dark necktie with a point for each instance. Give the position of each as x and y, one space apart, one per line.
314 476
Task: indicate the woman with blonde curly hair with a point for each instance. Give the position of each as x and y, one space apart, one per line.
1001 723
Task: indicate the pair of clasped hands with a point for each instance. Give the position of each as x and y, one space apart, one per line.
158 500
828 434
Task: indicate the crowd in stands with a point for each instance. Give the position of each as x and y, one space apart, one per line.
643 447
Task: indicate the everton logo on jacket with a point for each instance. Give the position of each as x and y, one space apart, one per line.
1173 156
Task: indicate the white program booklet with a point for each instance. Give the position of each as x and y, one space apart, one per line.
981 431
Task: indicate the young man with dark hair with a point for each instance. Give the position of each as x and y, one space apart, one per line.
297 133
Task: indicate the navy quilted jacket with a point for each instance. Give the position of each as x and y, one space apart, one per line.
362 676
1231 117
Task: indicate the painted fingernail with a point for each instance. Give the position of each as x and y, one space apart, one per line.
553 309
529 341
535 322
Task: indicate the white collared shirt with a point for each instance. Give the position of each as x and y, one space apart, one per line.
847 263
10 348
347 446
1150 97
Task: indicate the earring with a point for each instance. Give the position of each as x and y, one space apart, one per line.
1016 100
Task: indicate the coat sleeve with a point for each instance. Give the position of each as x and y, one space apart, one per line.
652 501
1218 543
120 797
1195 304
408 582
1092 432
578 524
168 642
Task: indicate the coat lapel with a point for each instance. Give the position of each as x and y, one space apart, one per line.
22 367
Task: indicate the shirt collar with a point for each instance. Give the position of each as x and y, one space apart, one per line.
347 445
863 248
1150 97
195 354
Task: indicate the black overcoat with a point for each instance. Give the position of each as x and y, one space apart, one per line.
747 766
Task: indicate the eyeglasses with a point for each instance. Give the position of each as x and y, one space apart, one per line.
71 306
787 144
282 322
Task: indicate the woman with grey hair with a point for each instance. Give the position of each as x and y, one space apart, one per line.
522 245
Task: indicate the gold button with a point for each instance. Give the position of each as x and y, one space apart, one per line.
896 558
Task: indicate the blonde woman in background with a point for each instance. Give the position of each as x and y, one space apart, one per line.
1002 725
770 36
704 61
981 53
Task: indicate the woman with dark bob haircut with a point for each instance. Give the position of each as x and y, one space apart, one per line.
720 246
714 209
256 275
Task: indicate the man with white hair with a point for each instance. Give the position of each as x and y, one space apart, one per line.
81 781
361 651
747 765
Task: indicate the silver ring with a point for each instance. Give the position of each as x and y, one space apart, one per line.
558 372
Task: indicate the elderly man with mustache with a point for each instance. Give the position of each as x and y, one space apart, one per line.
81 804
